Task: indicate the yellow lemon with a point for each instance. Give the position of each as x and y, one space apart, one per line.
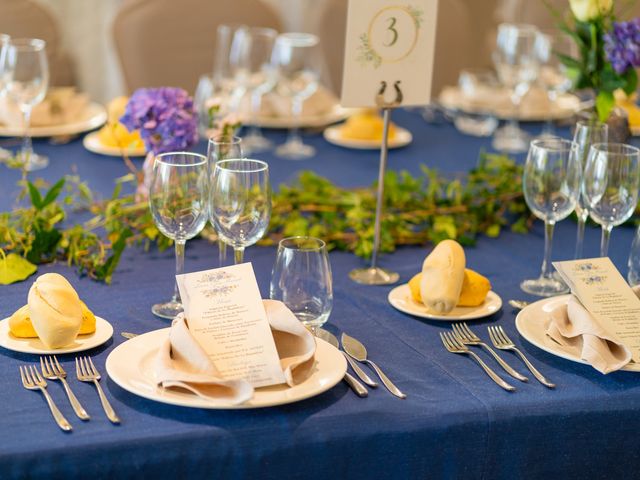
88 320
20 323
365 126
475 288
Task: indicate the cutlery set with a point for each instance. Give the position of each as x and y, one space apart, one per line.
461 336
51 369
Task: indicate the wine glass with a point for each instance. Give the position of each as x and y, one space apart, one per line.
255 75
178 203
222 147
610 189
297 58
301 279
5 75
27 87
240 202
551 184
517 68
587 133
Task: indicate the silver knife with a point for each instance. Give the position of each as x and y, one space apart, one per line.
355 385
357 350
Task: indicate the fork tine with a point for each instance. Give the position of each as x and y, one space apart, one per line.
444 342
492 335
457 332
22 376
94 370
453 341
42 367
503 335
36 374
78 372
57 365
83 367
467 330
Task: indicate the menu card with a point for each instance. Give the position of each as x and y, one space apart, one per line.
226 316
602 290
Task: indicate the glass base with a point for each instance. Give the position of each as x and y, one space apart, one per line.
167 310
255 143
34 162
544 287
295 151
373 276
511 139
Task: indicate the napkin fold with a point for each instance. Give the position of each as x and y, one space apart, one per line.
575 329
61 106
321 102
181 363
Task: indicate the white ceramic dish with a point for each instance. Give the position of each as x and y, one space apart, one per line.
130 365
104 331
332 135
92 143
400 298
532 322
94 116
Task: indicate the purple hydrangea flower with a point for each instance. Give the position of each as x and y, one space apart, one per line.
165 117
622 45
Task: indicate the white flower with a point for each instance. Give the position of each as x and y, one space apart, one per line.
586 10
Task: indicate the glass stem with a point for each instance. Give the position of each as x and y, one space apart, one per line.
604 242
27 148
222 253
179 244
296 109
547 270
238 255
582 222
256 100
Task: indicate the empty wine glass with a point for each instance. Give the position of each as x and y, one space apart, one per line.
27 87
633 276
587 133
222 147
610 189
240 202
178 203
517 67
301 279
254 73
551 184
297 58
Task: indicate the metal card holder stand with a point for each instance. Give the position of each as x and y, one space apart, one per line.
375 275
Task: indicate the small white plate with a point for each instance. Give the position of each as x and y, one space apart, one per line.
94 116
336 114
532 322
103 332
400 298
92 143
131 364
332 135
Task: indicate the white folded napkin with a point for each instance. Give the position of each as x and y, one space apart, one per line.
575 329
275 105
182 363
61 106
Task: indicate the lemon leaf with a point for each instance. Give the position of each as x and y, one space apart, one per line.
14 268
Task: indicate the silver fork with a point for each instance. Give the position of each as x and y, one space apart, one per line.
501 340
87 372
31 380
466 336
52 370
452 344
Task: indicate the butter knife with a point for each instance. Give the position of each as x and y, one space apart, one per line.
358 351
355 385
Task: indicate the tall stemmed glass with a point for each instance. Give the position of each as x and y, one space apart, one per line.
28 87
178 202
6 71
611 181
551 184
298 59
254 73
517 67
240 202
587 133
222 147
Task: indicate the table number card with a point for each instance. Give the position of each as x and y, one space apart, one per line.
389 41
227 318
600 287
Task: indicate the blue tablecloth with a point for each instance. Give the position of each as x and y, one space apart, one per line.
455 422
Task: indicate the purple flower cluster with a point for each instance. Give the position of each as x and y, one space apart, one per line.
165 117
622 45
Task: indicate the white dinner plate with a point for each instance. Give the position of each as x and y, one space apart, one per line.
532 322
104 332
94 116
131 365
332 135
336 114
400 298
92 143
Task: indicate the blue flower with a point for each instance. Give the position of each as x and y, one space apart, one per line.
622 45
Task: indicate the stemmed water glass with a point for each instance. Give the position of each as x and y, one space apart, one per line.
27 87
222 147
240 202
301 279
610 189
255 75
297 57
517 68
587 133
551 184
178 202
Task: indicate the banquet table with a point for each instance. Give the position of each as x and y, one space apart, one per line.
454 423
